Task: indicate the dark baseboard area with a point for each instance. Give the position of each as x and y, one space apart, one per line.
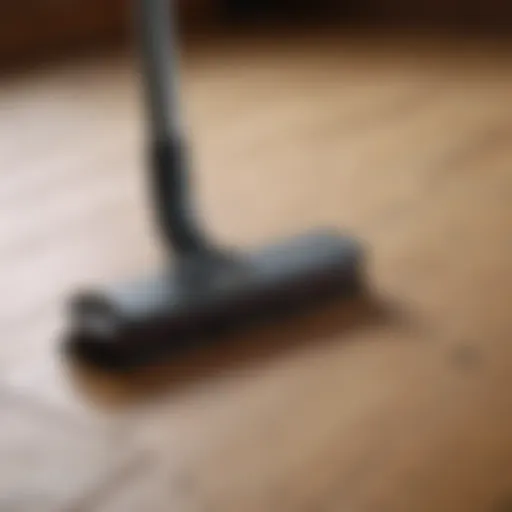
48 27
262 10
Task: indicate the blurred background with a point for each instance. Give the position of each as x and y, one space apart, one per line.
390 119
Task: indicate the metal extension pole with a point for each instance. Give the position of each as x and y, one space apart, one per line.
159 53
159 48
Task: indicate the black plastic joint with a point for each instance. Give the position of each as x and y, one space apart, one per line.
173 198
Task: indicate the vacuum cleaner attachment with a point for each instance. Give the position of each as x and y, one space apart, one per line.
209 291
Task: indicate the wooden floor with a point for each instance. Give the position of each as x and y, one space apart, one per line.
400 402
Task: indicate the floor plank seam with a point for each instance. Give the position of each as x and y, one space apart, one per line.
475 147
450 166
10 396
72 229
130 472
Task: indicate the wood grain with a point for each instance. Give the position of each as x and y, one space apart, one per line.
397 403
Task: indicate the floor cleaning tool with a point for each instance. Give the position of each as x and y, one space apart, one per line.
208 291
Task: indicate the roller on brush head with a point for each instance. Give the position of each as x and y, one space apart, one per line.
208 291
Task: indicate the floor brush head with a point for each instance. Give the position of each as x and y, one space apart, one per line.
201 299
